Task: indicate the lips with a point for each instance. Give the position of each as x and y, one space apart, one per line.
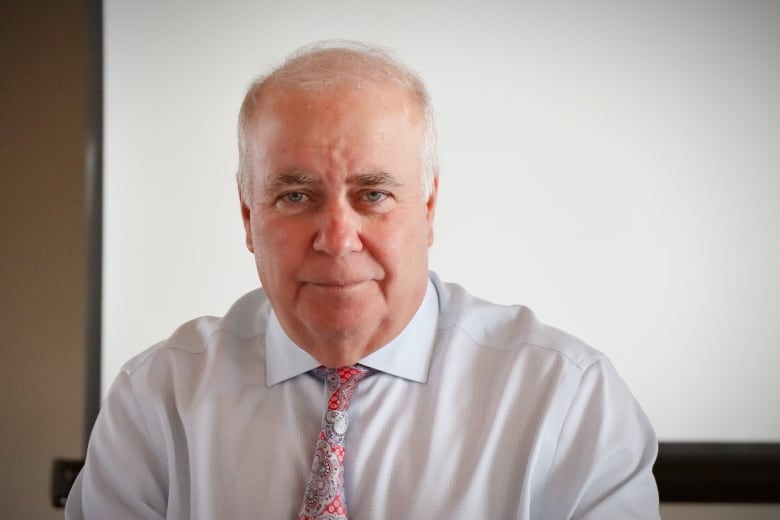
336 284
337 279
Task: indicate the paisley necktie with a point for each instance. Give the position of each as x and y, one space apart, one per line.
324 497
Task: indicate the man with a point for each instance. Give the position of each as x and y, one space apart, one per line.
456 408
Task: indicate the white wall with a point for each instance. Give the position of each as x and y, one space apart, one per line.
612 165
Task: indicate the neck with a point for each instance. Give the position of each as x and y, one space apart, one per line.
344 351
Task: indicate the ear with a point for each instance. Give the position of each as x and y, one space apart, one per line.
431 208
246 216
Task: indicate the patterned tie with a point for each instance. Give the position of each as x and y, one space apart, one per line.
324 498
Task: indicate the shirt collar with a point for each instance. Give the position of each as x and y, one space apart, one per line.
408 355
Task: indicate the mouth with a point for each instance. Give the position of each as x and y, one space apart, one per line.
336 284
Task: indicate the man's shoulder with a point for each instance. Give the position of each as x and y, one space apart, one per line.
246 319
510 328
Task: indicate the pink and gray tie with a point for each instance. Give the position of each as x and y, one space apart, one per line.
324 497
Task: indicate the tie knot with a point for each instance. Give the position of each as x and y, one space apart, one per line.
344 374
339 376
341 383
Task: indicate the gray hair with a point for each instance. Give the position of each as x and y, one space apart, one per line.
324 64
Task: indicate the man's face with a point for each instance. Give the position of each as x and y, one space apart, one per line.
336 218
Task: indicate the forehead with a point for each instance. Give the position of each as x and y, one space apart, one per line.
316 101
346 116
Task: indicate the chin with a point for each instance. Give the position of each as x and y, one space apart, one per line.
337 327
340 325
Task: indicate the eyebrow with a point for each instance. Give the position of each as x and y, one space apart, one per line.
299 178
379 178
293 178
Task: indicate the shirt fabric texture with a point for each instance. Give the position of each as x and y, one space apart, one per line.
475 410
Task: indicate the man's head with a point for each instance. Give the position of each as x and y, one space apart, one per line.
326 64
338 183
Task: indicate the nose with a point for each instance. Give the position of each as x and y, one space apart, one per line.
338 230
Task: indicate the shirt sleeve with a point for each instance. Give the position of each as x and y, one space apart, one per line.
602 467
124 476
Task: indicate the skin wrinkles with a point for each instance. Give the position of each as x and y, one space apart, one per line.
336 217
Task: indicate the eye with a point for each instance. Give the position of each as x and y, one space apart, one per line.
294 197
375 196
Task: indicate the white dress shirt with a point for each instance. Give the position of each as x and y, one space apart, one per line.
476 411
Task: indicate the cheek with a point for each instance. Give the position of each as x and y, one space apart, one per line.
403 242
279 246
